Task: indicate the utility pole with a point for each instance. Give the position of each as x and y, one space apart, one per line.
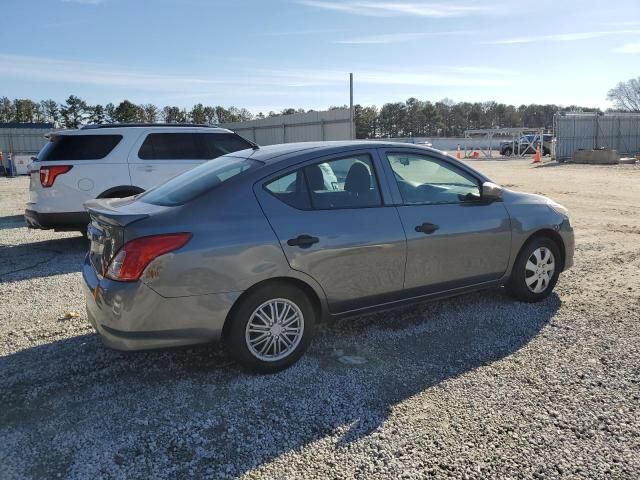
351 129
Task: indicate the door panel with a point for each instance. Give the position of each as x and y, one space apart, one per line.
149 173
357 255
470 245
453 238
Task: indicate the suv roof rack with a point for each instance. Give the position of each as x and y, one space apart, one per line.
120 125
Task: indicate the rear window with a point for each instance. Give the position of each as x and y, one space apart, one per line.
190 146
195 182
78 147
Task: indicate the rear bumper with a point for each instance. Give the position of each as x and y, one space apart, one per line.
132 316
56 221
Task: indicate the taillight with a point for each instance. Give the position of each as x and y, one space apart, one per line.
48 175
134 256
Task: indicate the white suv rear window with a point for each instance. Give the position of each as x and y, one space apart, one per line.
78 147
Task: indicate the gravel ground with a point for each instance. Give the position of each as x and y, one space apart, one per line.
472 387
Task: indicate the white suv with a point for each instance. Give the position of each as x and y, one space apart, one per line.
113 161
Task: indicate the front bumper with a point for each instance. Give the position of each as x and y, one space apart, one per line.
566 233
56 221
132 316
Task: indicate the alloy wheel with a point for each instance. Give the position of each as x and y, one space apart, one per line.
274 330
539 270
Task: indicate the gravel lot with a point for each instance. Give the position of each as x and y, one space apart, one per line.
472 387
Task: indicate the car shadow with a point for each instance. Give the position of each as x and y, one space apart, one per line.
42 258
12 221
93 412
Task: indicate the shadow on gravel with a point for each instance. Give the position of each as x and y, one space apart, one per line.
552 163
43 258
12 221
76 409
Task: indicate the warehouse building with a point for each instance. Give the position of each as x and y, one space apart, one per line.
19 142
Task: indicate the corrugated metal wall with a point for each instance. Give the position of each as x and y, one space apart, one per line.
298 127
26 138
588 131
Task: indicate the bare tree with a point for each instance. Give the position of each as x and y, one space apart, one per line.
626 95
149 113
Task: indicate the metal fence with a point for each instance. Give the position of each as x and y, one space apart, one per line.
297 127
25 138
617 131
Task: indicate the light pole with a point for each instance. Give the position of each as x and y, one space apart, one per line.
351 129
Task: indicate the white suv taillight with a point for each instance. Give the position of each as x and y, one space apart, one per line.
48 175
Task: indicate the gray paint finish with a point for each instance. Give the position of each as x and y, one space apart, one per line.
364 258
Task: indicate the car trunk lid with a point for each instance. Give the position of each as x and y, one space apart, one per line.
109 219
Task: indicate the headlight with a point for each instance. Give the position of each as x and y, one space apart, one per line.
559 209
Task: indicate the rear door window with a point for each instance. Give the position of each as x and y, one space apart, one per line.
347 182
78 147
190 146
291 189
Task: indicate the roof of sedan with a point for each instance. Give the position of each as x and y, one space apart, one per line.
274 153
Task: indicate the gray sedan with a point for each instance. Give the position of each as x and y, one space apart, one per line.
256 247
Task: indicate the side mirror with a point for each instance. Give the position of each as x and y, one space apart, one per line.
490 192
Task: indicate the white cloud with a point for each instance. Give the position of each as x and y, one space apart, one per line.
629 48
395 9
312 87
393 76
486 71
393 38
49 69
561 37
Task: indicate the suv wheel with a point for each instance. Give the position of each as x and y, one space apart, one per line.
507 152
536 271
271 329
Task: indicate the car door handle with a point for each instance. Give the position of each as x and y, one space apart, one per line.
302 241
427 228
149 168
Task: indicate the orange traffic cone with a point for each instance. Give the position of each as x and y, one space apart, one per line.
458 153
537 158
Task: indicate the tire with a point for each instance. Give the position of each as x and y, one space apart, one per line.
245 346
522 285
507 152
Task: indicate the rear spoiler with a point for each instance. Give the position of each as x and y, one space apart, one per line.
105 211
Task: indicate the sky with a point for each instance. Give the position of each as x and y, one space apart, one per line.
270 54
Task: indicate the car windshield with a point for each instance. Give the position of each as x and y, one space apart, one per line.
195 182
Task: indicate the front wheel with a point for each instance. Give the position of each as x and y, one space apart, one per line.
271 329
535 271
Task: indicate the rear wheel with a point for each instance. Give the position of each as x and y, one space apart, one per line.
271 328
507 152
535 271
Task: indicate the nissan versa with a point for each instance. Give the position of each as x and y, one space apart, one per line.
256 246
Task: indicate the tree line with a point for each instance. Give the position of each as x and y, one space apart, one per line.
446 118
76 111
411 118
